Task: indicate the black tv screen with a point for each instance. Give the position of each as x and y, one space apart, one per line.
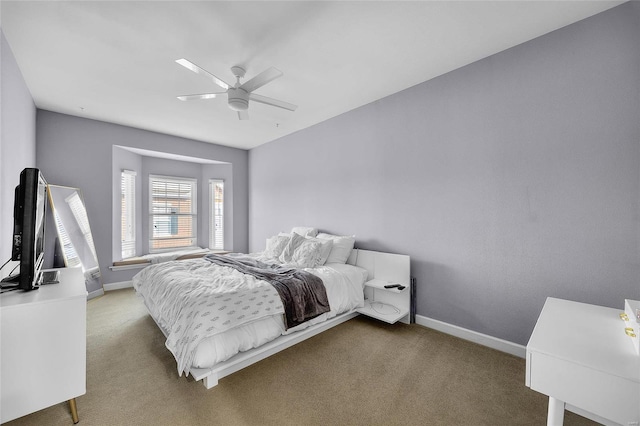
28 227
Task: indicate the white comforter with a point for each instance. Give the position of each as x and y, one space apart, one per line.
210 313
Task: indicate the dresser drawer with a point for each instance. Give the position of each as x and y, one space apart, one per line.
605 395
632 323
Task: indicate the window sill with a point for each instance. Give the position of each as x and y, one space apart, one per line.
121 267
143 261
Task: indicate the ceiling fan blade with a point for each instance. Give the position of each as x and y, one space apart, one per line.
193 67
243 115
272 102
261 79
201 96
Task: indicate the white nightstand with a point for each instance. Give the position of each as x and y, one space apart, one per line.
386 304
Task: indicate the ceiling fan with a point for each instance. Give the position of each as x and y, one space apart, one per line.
238 95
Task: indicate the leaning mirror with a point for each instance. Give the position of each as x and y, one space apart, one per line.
74 234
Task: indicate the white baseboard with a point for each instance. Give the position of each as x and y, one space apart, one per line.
118 286
473 336
95 293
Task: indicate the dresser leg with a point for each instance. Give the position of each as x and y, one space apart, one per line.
555 415
74 410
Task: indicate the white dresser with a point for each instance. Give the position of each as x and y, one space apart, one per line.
580 356
43 346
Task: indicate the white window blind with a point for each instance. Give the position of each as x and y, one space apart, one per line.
128 213
216 220
173 213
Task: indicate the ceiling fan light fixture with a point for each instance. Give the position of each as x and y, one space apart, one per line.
238 99
238 96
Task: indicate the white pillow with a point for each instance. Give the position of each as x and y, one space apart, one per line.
294 242
275 246
341 249
305 231
355 274
325 249
307 254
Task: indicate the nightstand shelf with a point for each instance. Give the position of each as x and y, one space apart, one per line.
382 311
379 284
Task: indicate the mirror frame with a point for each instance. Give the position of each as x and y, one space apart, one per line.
70 231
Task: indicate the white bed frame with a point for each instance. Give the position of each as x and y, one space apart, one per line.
379 265
211 376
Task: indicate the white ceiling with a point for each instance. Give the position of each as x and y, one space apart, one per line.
115 61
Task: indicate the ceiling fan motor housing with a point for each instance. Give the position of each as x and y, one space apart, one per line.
238 99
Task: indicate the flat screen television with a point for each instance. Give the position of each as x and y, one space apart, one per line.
29 212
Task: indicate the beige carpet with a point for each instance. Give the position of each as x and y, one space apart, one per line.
362 372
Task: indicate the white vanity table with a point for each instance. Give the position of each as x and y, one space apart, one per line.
43 346
580 356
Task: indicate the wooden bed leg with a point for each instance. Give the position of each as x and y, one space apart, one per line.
210 381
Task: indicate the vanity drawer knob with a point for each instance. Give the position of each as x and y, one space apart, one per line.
630 332
624 317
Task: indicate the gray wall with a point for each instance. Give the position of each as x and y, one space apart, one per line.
17 141
77 152
506 181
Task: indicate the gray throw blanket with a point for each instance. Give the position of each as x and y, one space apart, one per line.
303 294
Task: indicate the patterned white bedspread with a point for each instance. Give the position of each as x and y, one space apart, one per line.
195 301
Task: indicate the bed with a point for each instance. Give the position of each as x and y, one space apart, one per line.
219 318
